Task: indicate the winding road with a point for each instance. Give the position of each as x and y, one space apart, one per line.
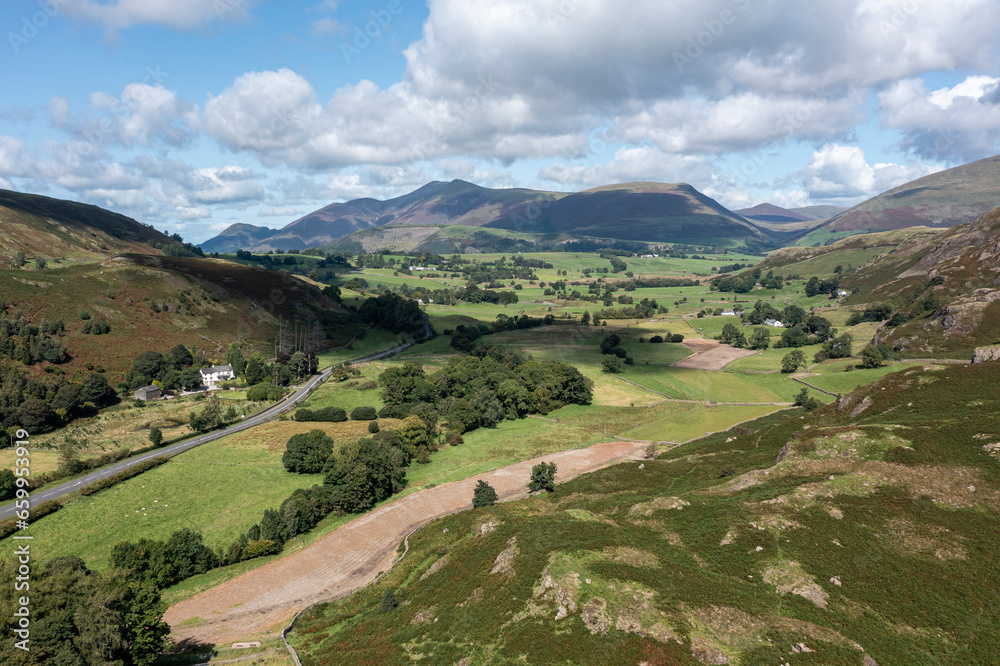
298 395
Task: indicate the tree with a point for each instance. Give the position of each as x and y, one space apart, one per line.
612 364
803 399
483 495
35 416
873 356
149 364
389 602
585 320
299 364
256 371
759 339
792 360
733 336
234 357
155 436
7 487
179 357
543 477
363 413
361 474
306 453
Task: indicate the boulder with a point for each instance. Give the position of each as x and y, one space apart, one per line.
984 354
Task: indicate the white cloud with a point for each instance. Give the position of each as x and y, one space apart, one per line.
278 211
842 173
961 122
115 15
328 26
143 115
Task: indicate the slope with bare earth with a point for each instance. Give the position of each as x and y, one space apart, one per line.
861 533
261 602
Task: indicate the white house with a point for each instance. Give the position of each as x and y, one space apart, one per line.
211 377
841 293
728 313
773 322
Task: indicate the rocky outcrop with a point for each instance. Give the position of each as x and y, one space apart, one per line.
985 354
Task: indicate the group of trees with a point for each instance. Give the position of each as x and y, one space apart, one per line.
482 389
394 313
644 309
79 616
42 405
170 371
464 337
21 340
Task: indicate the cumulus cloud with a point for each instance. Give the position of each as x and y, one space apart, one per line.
142 115
961 122
842 173
116 15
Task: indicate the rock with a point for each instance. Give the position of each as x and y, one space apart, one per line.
985 354
759 548
642 466
869 661
865 404
504 564
801 647
836 581
783 453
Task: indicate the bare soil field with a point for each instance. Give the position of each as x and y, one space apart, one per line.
710 355
260 603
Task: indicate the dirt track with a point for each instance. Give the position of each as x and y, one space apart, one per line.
710 355
261 602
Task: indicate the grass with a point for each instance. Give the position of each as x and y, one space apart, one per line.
906 571
219 488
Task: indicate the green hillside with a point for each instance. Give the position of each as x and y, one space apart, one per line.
858 534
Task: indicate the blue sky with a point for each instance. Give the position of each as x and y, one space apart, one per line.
192 115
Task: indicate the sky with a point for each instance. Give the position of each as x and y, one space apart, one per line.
192 115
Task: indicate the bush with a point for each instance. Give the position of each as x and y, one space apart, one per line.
612 364
483 495
373 427
303 415
335 414
803 399
260 548
389 602
363 414
543 477
656 339
264 393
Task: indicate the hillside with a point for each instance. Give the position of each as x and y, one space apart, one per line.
766 212
945 199
56 229
859 534
947 282
635 211
641 211
236 237
153 302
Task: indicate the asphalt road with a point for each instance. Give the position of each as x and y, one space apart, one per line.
272 412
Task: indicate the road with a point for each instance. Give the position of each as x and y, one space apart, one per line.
272 412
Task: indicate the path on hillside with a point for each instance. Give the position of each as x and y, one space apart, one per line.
261 602
710 355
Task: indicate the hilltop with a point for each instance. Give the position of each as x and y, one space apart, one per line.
236 237
856 534
56 229
944 199
635 211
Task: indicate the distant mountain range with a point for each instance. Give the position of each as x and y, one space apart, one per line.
635 211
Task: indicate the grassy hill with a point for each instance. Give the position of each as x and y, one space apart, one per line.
641 211
71 232
155 302
857 534
945 199
236 237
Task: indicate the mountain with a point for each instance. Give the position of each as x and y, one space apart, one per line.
56 229
634 211
944 199
819 212
436 203
766 212
641 212
237 237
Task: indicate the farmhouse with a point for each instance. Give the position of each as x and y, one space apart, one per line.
728 313
211 377
773 322
148 393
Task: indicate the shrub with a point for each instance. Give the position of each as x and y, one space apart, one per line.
483 495
612 364
303 415
373 427
260 548
363 413
543 477
656 339
264 393
335 414
389 602
677 337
